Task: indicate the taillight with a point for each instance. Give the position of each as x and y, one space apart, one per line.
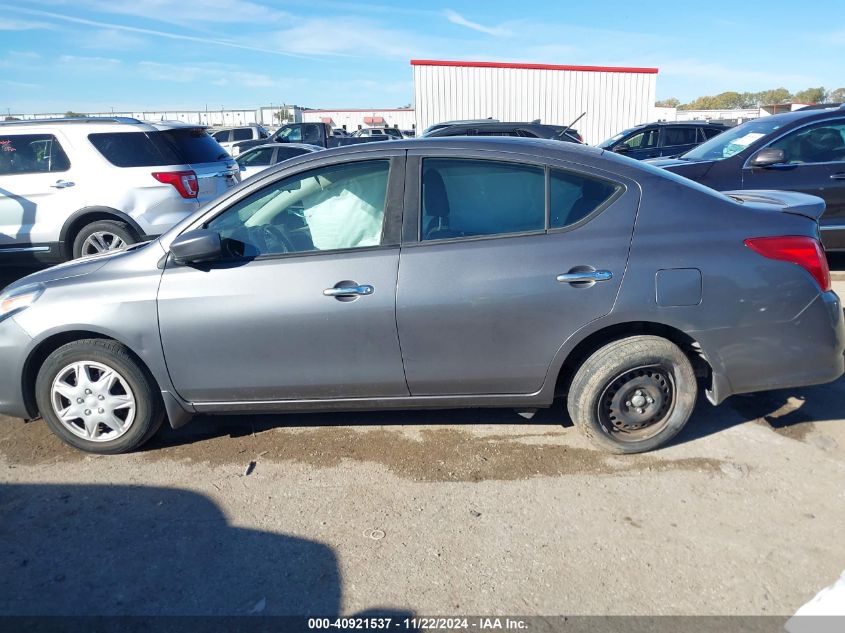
804 251
184 181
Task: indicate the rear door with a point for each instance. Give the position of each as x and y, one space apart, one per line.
678 139
643 144
815 156
38 191
480 306
216 171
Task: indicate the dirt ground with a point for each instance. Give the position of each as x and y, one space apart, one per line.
440 512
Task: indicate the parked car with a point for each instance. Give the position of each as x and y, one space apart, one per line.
339 131
409 133
73 187
498 128
580 274
229 138
259 158
437 126
652 140
797 151
389 132
310 133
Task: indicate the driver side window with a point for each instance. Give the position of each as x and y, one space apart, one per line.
820 143
328 208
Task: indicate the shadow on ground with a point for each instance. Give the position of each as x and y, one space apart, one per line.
104 550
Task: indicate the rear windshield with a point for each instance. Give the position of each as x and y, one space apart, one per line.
188 146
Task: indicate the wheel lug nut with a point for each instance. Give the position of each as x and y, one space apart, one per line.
100 411
650 400
101 397
87 411
627 404
640 410
88 391
79 401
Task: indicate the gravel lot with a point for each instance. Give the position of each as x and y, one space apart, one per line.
442 512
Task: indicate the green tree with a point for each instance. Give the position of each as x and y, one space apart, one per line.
73 115
671 102
836 96
773 97
283 114
810 95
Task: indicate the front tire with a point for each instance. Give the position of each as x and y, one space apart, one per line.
633 395
102 236
94 396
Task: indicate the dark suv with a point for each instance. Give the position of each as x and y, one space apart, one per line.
797 151
652 140
499 128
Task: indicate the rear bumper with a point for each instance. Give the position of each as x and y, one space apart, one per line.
14 349
808 350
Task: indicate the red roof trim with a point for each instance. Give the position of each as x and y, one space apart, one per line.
596 69
357 110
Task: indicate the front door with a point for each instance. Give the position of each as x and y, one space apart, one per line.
304 305
493 279
815 164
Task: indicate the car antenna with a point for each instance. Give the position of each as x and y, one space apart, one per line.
573 123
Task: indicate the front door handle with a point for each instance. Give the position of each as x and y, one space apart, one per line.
348 291
585 276
62 184
839 176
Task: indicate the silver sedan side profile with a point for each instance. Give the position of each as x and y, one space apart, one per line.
436 273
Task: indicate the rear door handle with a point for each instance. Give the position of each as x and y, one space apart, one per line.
839 176
62 184
586 275
348 291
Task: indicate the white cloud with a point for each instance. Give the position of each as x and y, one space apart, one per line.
456 18
214 74
112 40
180 12
7 24
93 64
351 36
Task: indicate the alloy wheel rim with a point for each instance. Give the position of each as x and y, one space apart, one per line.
93 401
102 241
637 404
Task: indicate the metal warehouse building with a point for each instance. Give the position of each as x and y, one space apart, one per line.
613 98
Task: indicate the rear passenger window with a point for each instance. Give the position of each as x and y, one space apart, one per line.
467 198
241 134
678 136
31 154
573 197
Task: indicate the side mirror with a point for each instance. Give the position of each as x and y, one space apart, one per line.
768 157
194 247
621 148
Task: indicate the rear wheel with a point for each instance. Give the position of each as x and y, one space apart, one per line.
95 397
102 236
633 395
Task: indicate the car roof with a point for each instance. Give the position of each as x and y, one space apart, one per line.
273 145
74 122
801 115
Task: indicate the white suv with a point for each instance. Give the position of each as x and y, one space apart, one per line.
230 137
74 187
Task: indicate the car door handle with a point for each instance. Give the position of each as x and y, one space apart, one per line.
839 176
348 291
585 275
62 184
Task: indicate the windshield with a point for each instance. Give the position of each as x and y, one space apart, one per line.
613 139
733 141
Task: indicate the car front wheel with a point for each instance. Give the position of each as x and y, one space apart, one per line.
94 396
633 395
102 236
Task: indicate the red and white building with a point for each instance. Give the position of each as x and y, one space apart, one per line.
614 98
356 119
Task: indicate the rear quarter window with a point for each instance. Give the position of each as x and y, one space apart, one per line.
148 149
572 197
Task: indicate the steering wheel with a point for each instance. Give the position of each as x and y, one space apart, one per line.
275 239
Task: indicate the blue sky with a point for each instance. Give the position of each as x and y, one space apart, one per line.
89 55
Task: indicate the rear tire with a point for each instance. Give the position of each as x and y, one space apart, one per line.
95 396
633 395
102 236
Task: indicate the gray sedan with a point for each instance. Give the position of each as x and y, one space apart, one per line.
431 274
